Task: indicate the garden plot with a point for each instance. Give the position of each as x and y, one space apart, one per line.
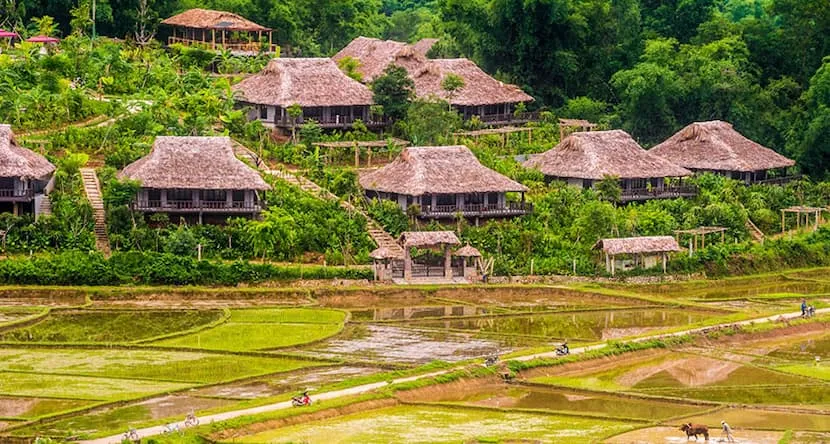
580 326
291 382
741 288
394 344
684 374
174 408
497 394
264 329
33 408
110 326
421 424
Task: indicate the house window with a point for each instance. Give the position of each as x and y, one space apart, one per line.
238 195
214 195
179 195
263 112
153 194
637 183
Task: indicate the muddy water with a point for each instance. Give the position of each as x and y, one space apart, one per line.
393 344
766 419
806 349
292 382
664 434
585 326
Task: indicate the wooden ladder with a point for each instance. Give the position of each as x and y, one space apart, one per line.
93 193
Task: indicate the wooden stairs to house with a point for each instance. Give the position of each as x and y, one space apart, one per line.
93 193
45 206
376 232
754 231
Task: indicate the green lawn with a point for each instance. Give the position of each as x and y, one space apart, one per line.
110 325
264 329
185 367
442 425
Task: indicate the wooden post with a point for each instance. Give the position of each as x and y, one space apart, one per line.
447 262
213 38
270 41
530 136
407 265
369 159
664 262
782 221
356 155
613 264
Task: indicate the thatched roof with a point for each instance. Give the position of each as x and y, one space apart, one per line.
479 87
16 161
383 253
715 145
209 19
467 251
427 239
375 55
596 154
304 81
424 45
631 245
205 163
437 170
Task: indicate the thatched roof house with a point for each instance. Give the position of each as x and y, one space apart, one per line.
716 146
444 181
308 82
210 19
646 251
325 93
194 163
195 176
19 162
479 87
376 55
597 154
482 95
437 170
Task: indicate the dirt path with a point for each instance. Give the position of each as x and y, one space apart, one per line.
157 430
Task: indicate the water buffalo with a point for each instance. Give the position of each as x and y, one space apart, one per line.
695 429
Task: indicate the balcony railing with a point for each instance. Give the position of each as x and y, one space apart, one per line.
253 47
12 194
218 206
778 180
634 194
335 121
509 118
493 210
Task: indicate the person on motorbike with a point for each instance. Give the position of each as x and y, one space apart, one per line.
563 349
304 399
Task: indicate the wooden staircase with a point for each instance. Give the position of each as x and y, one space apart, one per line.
755 232
93 193
45 206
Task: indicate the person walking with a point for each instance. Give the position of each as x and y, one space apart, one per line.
727 431
804 307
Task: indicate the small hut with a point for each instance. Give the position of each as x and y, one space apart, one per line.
492 101
325 94
716 147
470 257
193 177
443 182
219 30
431 240
25 177
383 260
636 252
584 158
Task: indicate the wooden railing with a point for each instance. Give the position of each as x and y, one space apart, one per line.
633 194
254 47
509 209
779 180
336 121
510 118
10 193
185 205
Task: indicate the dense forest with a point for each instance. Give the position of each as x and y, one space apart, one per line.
648 66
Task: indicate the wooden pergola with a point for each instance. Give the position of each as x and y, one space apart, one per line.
802 212
568 126
503 131
698 234
358 144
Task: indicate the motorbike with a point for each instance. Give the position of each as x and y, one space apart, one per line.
563 350
491 360
300 401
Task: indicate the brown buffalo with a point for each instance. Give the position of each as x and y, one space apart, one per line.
694 430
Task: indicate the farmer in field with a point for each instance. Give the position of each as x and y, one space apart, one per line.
727 431
804 307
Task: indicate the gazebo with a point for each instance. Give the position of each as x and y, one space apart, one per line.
802 212
467 254
433 240
643 251
218 30
382 259
698 234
